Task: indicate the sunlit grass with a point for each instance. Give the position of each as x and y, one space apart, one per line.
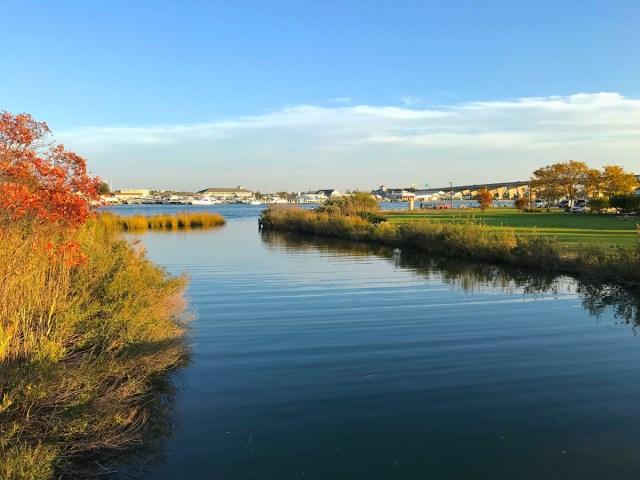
163 221
565 227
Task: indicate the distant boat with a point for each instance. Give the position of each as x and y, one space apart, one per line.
255 202
204 201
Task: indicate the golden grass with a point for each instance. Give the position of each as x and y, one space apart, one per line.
32 288
80 346
163 221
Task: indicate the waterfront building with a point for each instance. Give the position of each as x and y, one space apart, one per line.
126 195
311 198
330 192
392 194
239 192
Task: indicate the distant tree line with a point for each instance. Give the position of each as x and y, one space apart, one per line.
575 179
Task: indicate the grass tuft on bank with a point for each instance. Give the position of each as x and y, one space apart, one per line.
163 221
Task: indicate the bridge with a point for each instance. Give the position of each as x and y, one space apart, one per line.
502 190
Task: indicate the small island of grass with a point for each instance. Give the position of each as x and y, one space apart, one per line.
178 221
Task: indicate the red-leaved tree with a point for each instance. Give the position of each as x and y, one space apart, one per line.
45 190
41 181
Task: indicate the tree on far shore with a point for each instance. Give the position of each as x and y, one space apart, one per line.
522 203
592 183
546 184
484 198
615 181
626 203
571 177
103 189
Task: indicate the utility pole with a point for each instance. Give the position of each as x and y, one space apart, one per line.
451 194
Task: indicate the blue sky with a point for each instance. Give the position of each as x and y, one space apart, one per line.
290 94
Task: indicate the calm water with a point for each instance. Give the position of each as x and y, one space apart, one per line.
330 360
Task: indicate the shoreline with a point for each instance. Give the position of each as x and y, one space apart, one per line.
472 240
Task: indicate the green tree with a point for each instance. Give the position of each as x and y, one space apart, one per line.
597 205
103 188
626 203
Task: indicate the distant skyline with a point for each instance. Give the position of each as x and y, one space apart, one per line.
289 95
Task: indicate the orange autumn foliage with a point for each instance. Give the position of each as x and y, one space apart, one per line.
40 181
484 198
43 185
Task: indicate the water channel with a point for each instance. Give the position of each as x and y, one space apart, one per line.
322 359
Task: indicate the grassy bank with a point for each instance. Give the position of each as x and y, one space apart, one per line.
565 227
164 221
84 346
470 238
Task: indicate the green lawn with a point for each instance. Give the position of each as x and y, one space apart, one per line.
567 227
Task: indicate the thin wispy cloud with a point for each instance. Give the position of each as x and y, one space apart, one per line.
308 146
411 101
343 100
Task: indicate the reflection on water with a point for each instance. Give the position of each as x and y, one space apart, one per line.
623 303
323 359
149 452
158 411
468 276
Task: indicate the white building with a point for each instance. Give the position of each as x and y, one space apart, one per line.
227 193
329 193
311 198
124 195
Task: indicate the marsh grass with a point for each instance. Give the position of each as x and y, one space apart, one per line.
471 238
163 221
81 347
